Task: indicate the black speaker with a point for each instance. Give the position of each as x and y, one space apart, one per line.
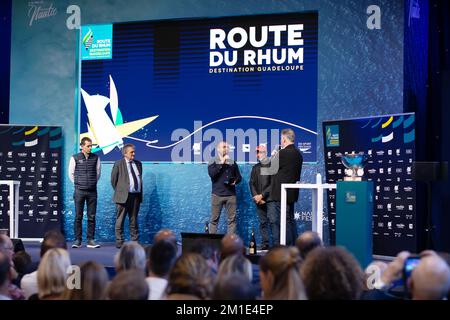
430 171
18 245
188 239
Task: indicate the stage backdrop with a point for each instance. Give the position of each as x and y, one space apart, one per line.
32 155
360 73
175 88
389 141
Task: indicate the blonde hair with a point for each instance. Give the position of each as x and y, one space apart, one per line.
52 273
235 264
283 263
191 275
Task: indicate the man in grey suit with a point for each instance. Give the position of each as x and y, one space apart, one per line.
126 180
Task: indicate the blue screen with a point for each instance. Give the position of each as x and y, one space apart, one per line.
181 86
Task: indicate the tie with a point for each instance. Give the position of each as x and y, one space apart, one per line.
134 176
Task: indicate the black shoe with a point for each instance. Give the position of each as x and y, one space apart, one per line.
92 244
76 244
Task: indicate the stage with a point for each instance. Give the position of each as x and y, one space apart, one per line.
104 255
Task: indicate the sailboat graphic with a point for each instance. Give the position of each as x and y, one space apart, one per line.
106 133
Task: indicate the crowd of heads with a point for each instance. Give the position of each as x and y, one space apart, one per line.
307 271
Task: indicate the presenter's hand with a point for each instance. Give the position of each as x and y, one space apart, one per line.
258 198
225 158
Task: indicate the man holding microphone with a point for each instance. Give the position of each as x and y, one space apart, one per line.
225 175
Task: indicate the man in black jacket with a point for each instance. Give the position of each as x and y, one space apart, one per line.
259 188
289 162
225 175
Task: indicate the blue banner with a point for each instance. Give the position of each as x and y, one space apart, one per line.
176 88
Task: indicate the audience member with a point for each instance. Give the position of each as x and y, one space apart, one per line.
52 239
94 280
160 262
190 279
208 251
233 286
332 273
165 234
280 275
235 265
4 276
130 256
430 279
52 274
22 263
128 285
7 247
308 241
231 244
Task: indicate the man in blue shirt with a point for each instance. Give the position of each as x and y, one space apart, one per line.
225 175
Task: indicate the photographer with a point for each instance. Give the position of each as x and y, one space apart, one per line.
225 175
423 277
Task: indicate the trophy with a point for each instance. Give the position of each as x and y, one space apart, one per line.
354 164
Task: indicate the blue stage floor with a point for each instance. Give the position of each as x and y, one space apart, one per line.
104 255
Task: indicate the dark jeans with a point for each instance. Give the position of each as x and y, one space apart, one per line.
217 204
79 198
263 224
130 208
273 212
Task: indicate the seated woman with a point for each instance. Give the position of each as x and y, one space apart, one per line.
52 274
190 279
280 275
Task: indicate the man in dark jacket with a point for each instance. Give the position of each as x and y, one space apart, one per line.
225 175
126 180
289 162
259 188
84 172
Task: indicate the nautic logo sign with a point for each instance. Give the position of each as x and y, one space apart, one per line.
332 136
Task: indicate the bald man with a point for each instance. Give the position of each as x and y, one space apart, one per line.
231 244
430 280
225 175
165 234
307 242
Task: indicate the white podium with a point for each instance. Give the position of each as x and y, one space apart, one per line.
317 204
13 206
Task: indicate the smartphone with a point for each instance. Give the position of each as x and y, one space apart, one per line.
410 263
